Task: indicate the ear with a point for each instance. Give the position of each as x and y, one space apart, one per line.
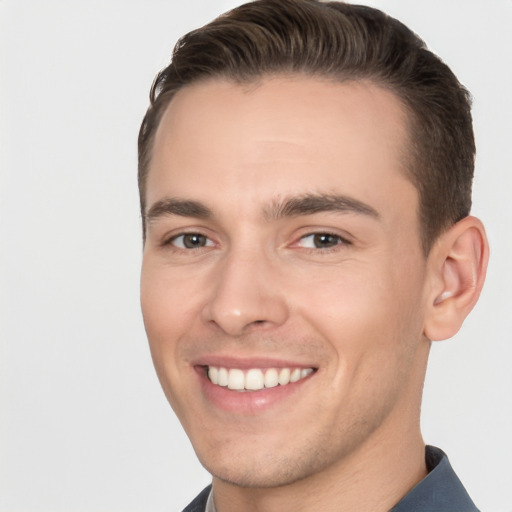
456 264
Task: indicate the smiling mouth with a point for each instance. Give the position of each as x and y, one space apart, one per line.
255 379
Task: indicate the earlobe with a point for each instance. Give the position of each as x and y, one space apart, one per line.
457 266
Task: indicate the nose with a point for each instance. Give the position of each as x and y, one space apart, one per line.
246 295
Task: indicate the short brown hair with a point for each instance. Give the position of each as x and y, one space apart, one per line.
343 42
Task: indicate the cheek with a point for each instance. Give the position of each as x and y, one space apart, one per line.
168 302
344 301
164 321
367 313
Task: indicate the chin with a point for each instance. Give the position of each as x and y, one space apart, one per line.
254 476
268 468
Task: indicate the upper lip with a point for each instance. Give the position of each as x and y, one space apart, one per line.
245 363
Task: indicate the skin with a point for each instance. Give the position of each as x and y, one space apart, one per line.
260 290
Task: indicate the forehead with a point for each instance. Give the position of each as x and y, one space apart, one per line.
283 135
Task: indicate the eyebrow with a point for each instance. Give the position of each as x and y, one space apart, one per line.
174 206
295 206
309 204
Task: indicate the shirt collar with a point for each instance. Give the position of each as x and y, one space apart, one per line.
210 505
440 491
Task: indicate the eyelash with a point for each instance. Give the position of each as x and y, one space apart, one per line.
341 241
171 241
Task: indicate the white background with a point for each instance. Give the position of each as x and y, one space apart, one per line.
84 424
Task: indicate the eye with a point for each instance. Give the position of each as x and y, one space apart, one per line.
321 241
191 241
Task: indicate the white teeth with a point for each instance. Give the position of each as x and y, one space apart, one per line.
271 378
213 374
305 372
255 378
236 379
223 377
295 375
284 376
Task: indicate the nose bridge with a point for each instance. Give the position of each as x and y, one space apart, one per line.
246 292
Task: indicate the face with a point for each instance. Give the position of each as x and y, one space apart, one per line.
283 281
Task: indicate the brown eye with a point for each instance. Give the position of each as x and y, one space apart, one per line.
321 241
191 241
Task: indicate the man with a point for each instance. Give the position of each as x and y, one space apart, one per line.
305 179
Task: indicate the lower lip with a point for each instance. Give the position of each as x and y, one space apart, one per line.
247 402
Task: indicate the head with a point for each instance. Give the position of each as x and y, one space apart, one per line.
305 174
340 42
